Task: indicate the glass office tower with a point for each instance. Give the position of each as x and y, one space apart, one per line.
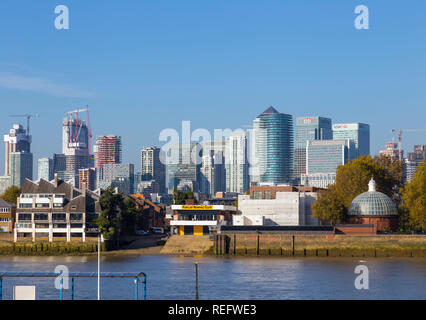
359 133
273 144
308 129
183 165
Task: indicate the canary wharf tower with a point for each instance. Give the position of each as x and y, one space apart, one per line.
273 147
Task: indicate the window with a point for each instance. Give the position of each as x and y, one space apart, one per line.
267 194
41 216
76 216
24 217
42 205
59 216
257 195
25 205
57 205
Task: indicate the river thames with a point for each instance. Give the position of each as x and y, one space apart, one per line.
253 278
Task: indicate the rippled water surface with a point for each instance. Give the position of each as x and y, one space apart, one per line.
172 277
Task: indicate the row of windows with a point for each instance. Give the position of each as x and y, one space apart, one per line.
5 220
30 196
39 205
45 216
4 210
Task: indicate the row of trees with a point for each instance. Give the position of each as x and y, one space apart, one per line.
352 179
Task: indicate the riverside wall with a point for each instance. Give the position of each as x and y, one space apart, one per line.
320 245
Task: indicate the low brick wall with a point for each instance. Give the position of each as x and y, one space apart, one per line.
321 245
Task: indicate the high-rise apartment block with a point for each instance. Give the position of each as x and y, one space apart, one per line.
87 178
236 162
308 129
21 167
153 166
413 160
16 141
118 175
273 147
45 169
108 149
391 151
359 133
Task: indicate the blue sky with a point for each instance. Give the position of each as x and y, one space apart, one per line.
143 66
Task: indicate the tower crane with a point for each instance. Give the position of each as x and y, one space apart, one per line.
28 116
77 132
400 131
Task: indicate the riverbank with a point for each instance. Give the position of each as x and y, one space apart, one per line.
321 245
236 245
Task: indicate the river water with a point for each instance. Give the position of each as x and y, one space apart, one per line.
222 278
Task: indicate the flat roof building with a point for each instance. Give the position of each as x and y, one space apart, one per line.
358 132
200 219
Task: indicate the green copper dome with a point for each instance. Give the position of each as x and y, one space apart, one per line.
372 203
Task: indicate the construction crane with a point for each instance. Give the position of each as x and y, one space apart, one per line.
28 116
77 130
400 131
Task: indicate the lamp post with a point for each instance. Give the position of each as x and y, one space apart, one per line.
99 266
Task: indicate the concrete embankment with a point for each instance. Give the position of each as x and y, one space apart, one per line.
187 245
321 245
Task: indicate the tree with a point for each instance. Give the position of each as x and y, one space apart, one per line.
329 208
11 194
129 216
414 198
109 221
352 180
180 197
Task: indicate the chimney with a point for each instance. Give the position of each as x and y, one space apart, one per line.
56 180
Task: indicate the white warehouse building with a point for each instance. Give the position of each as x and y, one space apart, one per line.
290 206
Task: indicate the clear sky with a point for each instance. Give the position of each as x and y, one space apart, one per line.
143 66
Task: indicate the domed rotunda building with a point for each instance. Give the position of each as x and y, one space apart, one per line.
373 207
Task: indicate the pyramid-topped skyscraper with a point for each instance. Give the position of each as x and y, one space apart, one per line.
273 147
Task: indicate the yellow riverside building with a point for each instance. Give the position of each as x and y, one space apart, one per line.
199 219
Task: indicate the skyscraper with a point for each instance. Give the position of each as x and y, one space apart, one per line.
413 160
183 166
45 169
359 133
273 147
322 159
75 147
120 175
153 166
308 129
107 150
87 178
236 163
59 165
16 141
326 155
21 167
